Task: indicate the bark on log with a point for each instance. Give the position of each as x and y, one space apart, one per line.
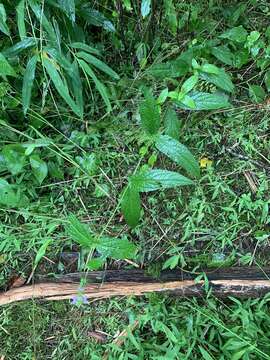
238 282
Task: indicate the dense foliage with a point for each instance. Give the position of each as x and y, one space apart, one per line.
135 133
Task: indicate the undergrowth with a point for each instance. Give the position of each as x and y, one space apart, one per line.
134 134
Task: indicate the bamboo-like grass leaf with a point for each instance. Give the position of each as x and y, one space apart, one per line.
20 8
145 8
100 87
20 46
60 85
98 64
68 6
3 18
41 251
28 80
77 85
39 13
85 47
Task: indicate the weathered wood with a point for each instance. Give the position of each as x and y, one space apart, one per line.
238 282
139 275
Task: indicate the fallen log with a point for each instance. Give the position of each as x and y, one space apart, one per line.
238 282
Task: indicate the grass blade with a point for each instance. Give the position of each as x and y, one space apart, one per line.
28 80
20 19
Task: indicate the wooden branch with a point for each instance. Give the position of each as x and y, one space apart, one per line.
238 282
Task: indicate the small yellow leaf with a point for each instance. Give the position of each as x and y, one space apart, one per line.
205 162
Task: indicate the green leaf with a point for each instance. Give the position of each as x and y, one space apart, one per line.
20 8
16 49
145 8
223 54
205 354
3 18
172 123
241 58
14 158
237 34
188 101
256 93
171 69
156 179
28 80
68 6
55 170
131 206
189 84
116 248
41 251
221 79
98 64
88 163
60 86
39 168
100 87
149 113
95 263
80 233
171 15
96 18
163 96
8 196
85 47
101 190
72 73
178 153
77 86
253 37
5 68
46 25
207 101
210 69
171 263
29 146
267 80
239 354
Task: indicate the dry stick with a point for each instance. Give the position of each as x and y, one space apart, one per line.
239 282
